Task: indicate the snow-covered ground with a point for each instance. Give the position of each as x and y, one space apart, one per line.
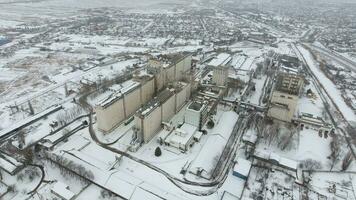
329 86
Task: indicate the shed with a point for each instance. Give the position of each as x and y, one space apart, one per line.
242 168
197 136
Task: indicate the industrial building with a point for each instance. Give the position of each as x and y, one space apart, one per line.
188 133
169 69
160 109
220 66
123 102
223 59
196 114
220 75
129 96
182 138
285 96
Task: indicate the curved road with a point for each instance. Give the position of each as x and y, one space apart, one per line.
214 185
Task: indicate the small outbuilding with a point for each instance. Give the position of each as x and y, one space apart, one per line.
242 169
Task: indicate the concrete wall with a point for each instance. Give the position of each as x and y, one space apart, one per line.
192 117
187 63
182 97
168 109
108 118
180 70
132 101
159 81
151 124
147 91
170 74
220 76
182 67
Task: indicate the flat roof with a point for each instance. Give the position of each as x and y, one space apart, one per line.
197 106
289 83
242 166
60 189
183 134
221 59
119 90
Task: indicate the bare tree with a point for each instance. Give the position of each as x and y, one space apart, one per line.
310 164
335 150
347 161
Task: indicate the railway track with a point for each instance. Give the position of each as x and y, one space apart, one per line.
326 99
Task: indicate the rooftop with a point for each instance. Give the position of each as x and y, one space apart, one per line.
195 106
221 59
289 83
119 90
62 190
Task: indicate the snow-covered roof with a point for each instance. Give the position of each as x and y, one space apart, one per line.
9 164
242 167
286 162
183 134
221 59
62 191
215 144
119 90
250 136
29 120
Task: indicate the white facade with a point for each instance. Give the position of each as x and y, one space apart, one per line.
196 114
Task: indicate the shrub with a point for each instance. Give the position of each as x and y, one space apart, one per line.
158 152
